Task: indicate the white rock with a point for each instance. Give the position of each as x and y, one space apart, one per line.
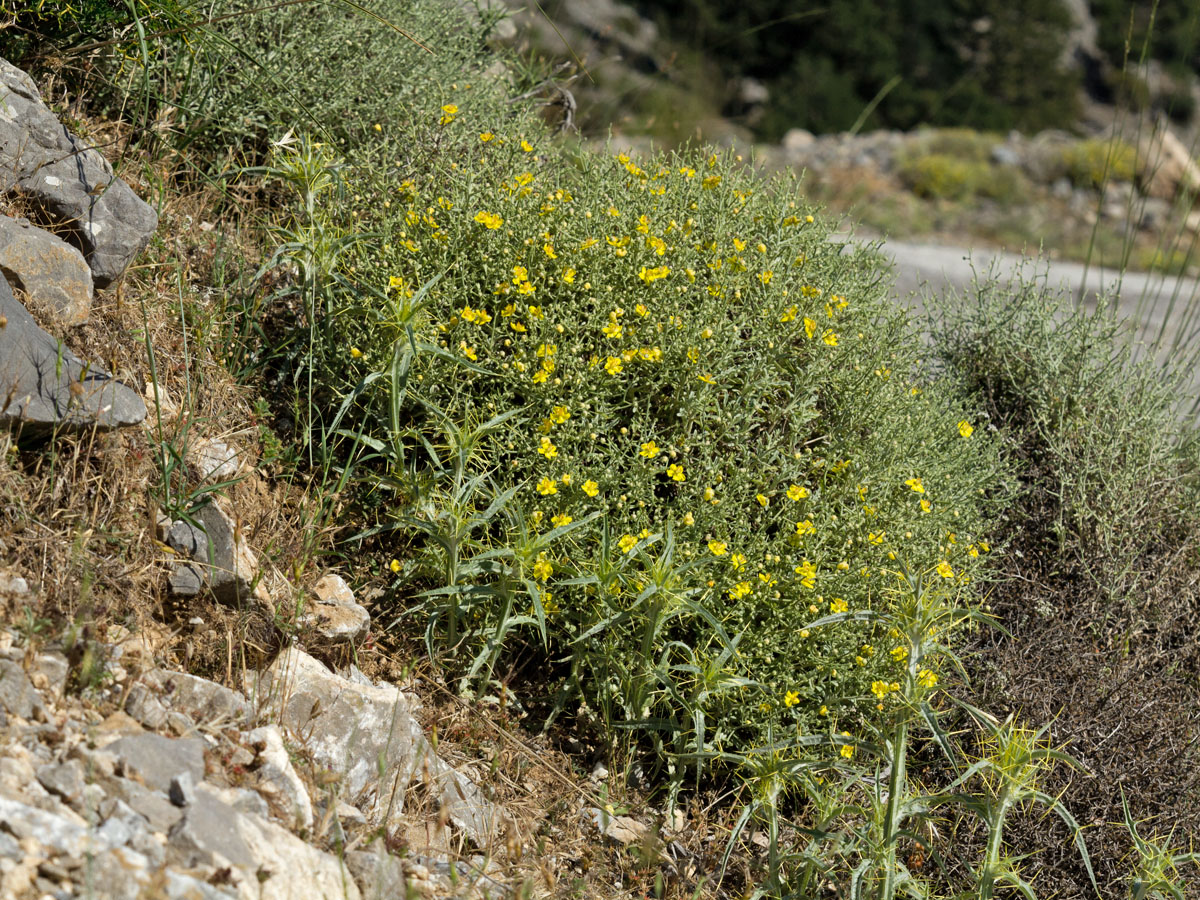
275 767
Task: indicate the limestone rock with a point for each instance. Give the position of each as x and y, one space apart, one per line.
1166 166
357 731
272 863
212 460
17 694
221 557
204 701
44 386
52 272
335 614
156 760
70 182
275 768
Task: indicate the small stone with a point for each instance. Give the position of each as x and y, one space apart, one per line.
335 614
66 780
17 694
53 274
13 587
182 791
185 580
212 460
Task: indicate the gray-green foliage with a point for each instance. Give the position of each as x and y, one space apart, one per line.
1109 465
351 74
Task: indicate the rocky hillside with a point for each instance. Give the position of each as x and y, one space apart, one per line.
286 773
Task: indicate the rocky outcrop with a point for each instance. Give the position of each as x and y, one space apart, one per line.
277 799
67 181
355 730
44 387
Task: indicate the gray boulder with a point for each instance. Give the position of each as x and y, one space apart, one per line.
44 386
52 272
70 183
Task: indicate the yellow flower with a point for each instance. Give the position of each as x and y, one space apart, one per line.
467 351
790 699
796 492
627 543
926 506
810 327
675 472
486 136
546 487
983 545
591 488
880 689
706 378
649 450
566 478
965 429
488 219
830 338
377 127
613 330
711 181
765 277
559 415
738 561
449 111
394 565
916 485
689 519
542 569
789 314
526 146
875 538
650 275
739 245
717 548
926 678
899 654
739 590
808 574
560 520
614 365
838 605
569 276
847 751
355 353
547 448
805 527
945 569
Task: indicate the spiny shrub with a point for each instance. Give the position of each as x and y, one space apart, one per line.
715 428
342 72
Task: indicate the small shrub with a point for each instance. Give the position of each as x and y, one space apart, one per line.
939 176
1093 163
648 418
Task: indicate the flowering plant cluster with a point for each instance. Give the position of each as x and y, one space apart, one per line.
717 428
